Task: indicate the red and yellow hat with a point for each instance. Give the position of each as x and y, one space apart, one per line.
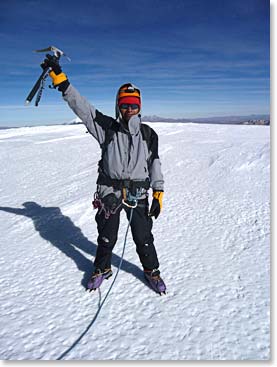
128 93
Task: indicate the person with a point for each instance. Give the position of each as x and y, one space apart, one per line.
129 166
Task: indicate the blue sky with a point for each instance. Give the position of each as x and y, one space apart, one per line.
190 58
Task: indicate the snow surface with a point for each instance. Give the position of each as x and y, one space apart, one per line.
212 238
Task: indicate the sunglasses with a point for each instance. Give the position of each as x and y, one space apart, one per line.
125 106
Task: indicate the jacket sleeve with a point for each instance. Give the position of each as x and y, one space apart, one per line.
95 121
155 169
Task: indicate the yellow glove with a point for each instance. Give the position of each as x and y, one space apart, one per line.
57 79
157 204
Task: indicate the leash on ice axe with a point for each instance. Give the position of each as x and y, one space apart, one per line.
39 85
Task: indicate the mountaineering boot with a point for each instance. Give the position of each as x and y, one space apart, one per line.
155 281
97 278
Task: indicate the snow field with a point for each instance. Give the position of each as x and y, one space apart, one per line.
212 239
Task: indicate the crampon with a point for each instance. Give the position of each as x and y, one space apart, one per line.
97 278
155 281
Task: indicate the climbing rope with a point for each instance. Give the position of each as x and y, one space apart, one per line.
106 296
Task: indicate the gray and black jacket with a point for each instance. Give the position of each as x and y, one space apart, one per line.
127 156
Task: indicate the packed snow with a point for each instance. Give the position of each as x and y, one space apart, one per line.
212 238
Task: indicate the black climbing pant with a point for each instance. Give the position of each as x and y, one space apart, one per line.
141 227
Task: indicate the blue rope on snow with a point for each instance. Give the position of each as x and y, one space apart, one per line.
101 304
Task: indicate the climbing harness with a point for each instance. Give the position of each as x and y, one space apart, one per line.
131 192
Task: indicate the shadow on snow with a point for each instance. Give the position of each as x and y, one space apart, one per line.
61 232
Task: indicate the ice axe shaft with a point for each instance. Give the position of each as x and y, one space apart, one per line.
36 86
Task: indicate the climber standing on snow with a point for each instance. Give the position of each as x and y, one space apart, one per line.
129 166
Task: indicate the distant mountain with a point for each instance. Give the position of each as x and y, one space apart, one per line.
205 120
154 118
232 119
210 120
75 121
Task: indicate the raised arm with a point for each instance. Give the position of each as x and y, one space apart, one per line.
95 121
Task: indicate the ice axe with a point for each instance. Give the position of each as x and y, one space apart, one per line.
39 85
